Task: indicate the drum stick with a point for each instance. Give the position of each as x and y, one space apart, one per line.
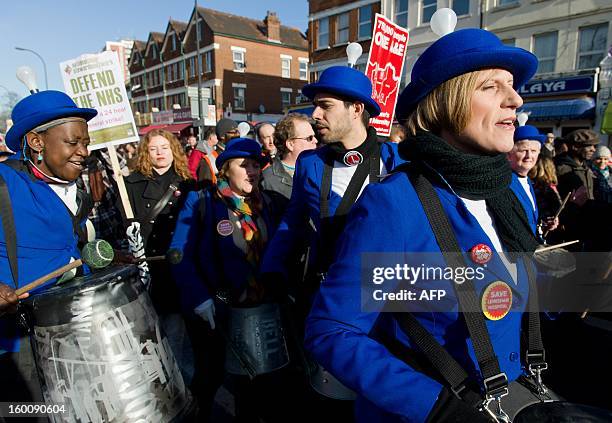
174 256
153 258
49 276
554 247
567 197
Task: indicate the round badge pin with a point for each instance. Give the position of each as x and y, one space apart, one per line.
496 300
481 253
352 158
225 228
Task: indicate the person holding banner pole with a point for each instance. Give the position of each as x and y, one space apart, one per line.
156 191
43 214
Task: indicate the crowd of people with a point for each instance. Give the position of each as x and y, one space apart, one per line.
273 231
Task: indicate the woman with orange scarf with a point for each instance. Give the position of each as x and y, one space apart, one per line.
222 232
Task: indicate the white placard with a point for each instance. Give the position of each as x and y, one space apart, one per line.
96 81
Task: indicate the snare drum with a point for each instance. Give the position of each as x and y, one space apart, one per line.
99 351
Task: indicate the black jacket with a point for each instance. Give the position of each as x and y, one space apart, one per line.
144 193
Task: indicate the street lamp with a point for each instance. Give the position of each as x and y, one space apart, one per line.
41 59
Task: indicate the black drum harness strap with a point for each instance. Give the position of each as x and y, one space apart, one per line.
8 224
332 226
456 378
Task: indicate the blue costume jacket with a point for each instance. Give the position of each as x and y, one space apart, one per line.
530 210
210 259
45 239
347 341
305 204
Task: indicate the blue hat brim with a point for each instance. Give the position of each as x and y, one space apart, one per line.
225 156
18 130
520 63
540 138
311 90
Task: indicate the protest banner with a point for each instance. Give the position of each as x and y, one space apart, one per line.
384 68
96 81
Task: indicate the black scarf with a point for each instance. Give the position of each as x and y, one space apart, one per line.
478 178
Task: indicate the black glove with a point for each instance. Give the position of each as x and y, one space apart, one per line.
275 286
450 409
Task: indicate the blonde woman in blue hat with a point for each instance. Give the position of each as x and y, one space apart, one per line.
47 209
454 353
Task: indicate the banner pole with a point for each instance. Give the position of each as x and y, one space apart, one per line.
125 201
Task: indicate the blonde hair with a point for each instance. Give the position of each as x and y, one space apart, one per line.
544 172
179 160
447 107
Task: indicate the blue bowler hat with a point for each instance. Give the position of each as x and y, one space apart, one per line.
39 108
241 147
459 52
344 82
528 132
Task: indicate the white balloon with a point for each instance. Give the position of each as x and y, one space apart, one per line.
243 129
443 21
353 52
522 118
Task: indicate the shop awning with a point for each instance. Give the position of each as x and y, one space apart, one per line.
145 129
175 128
606 124
582 108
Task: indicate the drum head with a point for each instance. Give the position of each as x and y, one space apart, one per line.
113 286
563 412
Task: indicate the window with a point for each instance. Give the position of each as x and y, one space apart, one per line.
342 28
192 66
285 67
323 33
180 70
510 42
365 22
285 98
545 48
461 7
429 7
401 12
173 42
208 62
304 69
592 47
238 58
239 97
154 51
505 2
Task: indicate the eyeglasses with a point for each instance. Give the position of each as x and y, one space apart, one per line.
309 138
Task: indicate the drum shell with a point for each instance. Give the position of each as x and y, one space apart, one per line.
256 333
100 351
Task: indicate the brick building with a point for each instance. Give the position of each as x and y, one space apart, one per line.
249 69
332 25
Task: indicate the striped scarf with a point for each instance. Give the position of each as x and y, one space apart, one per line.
246 209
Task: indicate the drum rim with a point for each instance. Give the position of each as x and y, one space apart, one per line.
82 284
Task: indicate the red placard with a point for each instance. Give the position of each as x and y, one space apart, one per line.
385 65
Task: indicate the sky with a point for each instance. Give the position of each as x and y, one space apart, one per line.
59 30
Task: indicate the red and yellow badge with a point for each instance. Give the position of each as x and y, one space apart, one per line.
496 300
481 253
